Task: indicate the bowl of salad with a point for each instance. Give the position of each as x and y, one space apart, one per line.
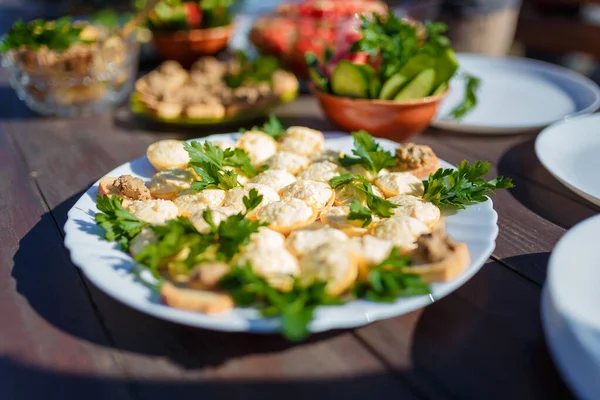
185 30
316 26
69 68
391 80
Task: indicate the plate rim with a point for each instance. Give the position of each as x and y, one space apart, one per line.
457 126
189 318
547 164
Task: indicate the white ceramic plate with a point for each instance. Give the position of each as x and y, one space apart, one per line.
570 304
517 94
108 268
571 152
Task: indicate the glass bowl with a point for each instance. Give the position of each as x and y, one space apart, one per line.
84 79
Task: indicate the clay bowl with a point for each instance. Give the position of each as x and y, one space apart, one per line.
394 120
187 46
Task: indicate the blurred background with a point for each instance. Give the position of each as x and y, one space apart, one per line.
565 32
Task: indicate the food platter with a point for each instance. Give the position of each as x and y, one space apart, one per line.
110 269
257 111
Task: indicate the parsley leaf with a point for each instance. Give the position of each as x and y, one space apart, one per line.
390 38
463 186
376 205
259 70
295 307
368 153
55 35
360 213
389 280
202 154
470 100
273 127
119 225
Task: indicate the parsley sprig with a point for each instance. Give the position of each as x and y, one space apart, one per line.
389 37
208 161
55 35
295 307
368 153
119 224
179 237
470 100
376 205
462 186
273 127
389 280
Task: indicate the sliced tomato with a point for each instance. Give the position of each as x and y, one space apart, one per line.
193 14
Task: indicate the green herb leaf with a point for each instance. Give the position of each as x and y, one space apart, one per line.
376 205
368 153
208 161
360 213
296 307
259 70
252 201
119 225
272 127
55 35
470 100
463 186
389 280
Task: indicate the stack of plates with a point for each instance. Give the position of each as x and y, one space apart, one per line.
571 308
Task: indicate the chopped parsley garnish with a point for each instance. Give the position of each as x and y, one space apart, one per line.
259 70
119 224
209 160
55 35
181 247
389 280
272 127
376 205
296 307
462 186
368 153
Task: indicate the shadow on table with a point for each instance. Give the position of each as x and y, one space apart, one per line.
23 382
522 160
52 286
13 108
485 339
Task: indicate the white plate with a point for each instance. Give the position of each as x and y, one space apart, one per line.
570 307
517 94
570 151
107 267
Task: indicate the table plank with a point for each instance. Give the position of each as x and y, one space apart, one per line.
155 349
463 344
37 287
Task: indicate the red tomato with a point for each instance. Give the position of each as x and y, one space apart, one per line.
193 14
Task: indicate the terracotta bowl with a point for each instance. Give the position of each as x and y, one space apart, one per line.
187 46
394 120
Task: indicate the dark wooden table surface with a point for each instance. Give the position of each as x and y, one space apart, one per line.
61 338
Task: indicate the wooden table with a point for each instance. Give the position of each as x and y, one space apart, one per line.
61 338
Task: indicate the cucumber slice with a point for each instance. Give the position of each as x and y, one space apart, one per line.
374 81
392 86
440 89
349 80
419 87
446 67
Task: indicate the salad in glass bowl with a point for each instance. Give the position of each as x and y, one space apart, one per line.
68 68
